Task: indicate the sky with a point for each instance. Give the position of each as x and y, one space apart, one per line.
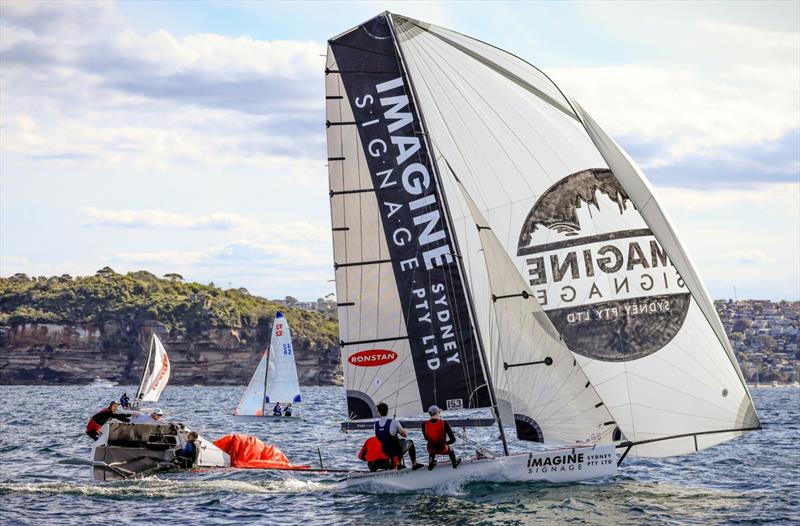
189 137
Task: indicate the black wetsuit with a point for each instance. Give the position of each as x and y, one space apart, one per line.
99 420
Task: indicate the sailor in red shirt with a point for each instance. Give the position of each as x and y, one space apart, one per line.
439 435
372 453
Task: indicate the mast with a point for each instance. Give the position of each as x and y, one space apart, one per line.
139 393
266 373
449 219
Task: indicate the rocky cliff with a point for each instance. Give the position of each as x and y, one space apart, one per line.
51 353
73 330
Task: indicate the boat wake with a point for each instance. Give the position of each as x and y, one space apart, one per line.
153 487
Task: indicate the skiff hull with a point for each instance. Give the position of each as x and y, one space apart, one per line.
128 450
559 466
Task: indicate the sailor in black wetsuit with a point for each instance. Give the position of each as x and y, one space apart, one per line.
101 417
393 439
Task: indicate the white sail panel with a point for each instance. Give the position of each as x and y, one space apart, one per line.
282 384
154 383
586 235
551 397
252 402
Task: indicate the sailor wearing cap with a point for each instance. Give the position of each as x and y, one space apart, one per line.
155 417
439 435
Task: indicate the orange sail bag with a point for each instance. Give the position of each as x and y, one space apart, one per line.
247 451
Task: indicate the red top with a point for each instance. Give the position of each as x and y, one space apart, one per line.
372 450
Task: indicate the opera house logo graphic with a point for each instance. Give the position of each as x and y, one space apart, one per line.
598 271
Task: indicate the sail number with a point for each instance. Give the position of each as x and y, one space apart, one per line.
287 348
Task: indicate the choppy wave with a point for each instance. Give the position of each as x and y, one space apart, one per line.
45 475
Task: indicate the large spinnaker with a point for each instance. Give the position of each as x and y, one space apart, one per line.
601 259
407 338
282 383
533 372
154 381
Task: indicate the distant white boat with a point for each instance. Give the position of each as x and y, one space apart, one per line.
102 382
155 374
274 381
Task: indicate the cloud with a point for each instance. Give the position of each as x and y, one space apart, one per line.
155 219
738 89
783 197
160 219
773 162
99 92
687 112
274 270
747 256
10 264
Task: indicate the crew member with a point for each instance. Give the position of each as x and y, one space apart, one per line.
372 453
95 425
186 456
439 435
287 411
156 417
124 401
394 438
277 410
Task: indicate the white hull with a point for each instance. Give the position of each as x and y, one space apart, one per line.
558 465
265 418
128 450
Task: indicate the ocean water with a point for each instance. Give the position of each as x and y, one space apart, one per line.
45 474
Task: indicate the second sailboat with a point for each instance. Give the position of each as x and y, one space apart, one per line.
274 391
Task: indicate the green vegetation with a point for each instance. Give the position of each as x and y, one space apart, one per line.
137 297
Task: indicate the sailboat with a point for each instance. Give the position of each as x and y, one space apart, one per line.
274 381
155 374
135 449
495 248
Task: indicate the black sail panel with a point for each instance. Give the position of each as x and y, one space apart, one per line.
415 245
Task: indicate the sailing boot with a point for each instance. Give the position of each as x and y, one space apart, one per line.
432 463
453 460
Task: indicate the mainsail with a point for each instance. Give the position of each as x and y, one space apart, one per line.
585 232
275 378
155 374
407 335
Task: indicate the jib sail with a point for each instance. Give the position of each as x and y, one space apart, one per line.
540 386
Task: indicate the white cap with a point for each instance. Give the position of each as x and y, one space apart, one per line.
434 410
158 411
